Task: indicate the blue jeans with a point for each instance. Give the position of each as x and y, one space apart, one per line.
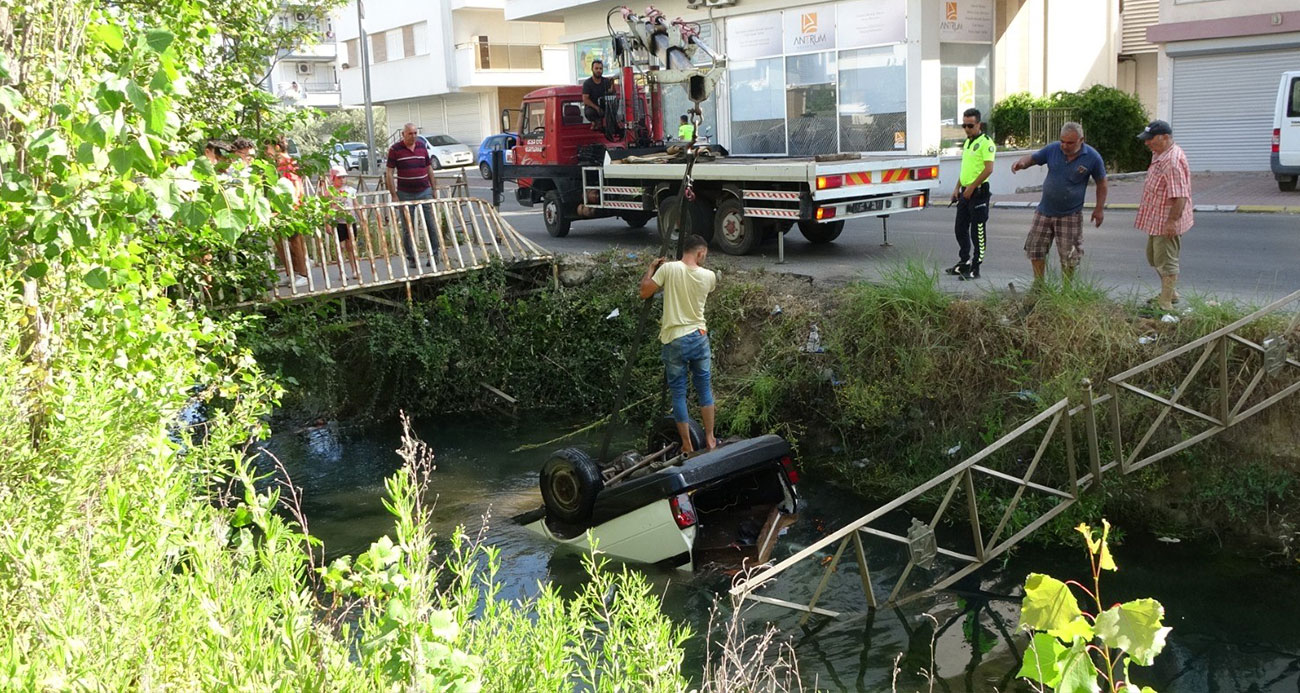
426 194
690 352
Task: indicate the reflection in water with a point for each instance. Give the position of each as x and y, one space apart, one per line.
1234 621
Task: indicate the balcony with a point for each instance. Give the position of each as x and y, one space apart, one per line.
511 65
326 49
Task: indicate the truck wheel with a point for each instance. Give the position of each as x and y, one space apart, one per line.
553 214
735 233
821 233
1286 185
664 432
570 482
697 219
637 220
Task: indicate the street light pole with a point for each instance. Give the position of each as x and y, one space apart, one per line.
365 89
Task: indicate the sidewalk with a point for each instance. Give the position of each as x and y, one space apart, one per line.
1252 191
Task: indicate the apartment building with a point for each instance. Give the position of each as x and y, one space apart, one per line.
308 75
1219 65
449 66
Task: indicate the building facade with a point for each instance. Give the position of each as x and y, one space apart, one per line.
450 66
308 75
864 75
1219 66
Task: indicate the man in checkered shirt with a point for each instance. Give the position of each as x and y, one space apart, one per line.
1165 211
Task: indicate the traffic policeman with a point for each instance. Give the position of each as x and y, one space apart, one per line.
972 196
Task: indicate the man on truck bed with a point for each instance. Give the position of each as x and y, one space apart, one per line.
594 89
972 196
683 334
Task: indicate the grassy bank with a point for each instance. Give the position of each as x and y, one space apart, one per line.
900 374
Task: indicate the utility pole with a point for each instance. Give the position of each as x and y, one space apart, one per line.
365 90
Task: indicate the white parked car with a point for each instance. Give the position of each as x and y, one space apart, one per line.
349 155
724 506
1285 158
447 152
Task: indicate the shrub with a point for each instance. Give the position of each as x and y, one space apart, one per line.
1111 119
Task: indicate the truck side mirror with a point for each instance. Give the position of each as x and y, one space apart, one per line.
507 116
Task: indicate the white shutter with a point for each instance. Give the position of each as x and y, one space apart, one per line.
464 120
1138 15
1222 111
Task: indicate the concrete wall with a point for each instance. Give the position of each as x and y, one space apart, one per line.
1184 11
1002 182
1043 47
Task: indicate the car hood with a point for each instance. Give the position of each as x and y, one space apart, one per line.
450 150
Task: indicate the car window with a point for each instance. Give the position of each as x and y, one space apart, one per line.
572 113
1293 108
441 140
534 116
354 146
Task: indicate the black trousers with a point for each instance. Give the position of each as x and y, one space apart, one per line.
972 218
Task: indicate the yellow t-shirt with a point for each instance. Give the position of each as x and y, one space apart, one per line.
685 289
685 132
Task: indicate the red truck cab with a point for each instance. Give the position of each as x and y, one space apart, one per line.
552 128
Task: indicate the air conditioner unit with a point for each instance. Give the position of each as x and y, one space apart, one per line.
304 68
300 16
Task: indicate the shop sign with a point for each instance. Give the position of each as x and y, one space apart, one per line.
754 36
810 29
966 20
872 22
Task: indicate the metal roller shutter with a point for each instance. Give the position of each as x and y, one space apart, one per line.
465 119
1222 111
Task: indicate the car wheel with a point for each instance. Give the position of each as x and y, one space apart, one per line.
821 233
637 220
570 482
485 170
664 432
553 214
735 233
436 164
1286 185
697 220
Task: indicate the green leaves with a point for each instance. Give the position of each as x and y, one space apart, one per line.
97 278
1099 548
159 39
107 35
1049 606
1136 628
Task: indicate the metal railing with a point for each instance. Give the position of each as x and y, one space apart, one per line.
1045 124
505 56
1248 377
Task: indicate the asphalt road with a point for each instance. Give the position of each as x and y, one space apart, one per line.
1254 258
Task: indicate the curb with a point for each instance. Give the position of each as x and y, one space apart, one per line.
1244 209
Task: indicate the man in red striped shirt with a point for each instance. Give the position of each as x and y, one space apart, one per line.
1165 211
411 177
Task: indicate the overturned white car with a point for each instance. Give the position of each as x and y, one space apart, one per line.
727 506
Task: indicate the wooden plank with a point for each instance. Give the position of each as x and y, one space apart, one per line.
863 572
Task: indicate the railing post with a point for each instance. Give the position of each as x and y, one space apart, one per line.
1225 409
1115 433
1090 423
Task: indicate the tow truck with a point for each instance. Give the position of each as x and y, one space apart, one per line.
625 166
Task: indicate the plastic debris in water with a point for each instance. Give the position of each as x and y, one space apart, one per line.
1147 339
1170 540
954 449
1169 318
612 314
776 310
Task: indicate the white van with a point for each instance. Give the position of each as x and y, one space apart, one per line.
1285 159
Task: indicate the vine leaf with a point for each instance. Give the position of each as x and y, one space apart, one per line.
1049 605
1134 627
1078 673
1042 662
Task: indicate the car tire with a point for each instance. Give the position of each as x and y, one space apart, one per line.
821 233
485 170
735 233
1286 185
570 481
664 432
638 220
698 220
434 161
553 214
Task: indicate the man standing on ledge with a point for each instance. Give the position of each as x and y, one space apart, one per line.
1165 211
411 177
683 334
594 89
972 196
1070 163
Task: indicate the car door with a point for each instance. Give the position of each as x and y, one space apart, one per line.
1288 151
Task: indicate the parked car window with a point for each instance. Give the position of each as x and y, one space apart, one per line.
441 140
1293 110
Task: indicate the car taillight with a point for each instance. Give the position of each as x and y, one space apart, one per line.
925 173
826 182
790 472
915 201
1277 139
825 213
683 511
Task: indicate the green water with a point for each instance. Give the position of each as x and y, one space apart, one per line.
1236 624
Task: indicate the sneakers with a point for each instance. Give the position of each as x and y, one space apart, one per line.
968 275
300 282
955 269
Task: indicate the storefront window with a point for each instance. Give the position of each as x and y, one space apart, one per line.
873 99
963 83
757 106
810 104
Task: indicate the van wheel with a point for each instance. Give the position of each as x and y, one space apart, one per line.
664 432
553 214
821 233
735 233
637 220
1286 185
696 221
570 482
